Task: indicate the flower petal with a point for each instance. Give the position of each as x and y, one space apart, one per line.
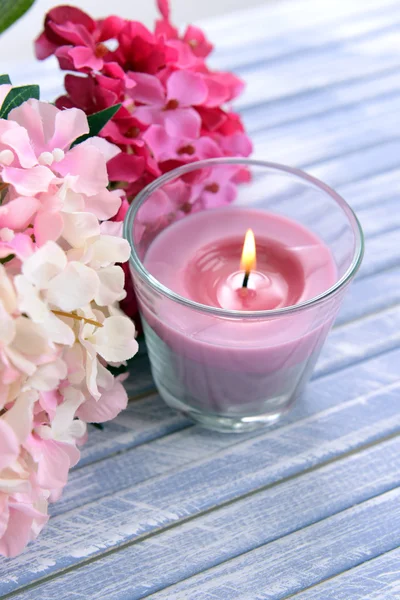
18 534
111 286
7 294
115 341
182 123
126 167
28 182
17 139
69 125
79 227
163 7
20 416
107 407
30 338
75 287
48 377
7 327
18 213
107 149
108 250
47 227
105 204
85 57
186 87
9 445
148 89
88 164
47 262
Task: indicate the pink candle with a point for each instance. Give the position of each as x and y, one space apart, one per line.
234 329
236 367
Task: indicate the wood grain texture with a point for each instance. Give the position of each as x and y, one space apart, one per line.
287 19
300 73
206 482
223 534
321 137
302 558
377 579
298 40
359 301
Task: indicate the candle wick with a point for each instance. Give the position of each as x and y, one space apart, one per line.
246 279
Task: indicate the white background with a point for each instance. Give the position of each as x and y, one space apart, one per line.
16 43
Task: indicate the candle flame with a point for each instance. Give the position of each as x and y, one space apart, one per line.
248 260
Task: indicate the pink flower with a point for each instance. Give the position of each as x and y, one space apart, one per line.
60 325
165 147
170 107
23 512
197 41
75 38
48 131
217 188
111 402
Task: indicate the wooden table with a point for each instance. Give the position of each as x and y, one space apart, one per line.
309 509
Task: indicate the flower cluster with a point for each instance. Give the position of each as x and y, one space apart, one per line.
174 109
60 325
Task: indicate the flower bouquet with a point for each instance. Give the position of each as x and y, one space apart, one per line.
137 104
60 325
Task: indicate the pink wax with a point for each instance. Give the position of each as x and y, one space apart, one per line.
236 366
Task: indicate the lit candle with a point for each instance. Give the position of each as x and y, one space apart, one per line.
228 299
229 363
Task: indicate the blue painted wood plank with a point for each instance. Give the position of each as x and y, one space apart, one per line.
372 189
143 421
259 113
207 482
381 252
354 342
304 38
380 218
225 533
370 294
274 20
377 579
298 74
321 137
301 559
359 165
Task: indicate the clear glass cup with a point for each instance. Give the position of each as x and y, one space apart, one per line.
230 369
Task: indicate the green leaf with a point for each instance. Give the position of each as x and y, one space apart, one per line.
17 96
4 78
97 122
11 11
5 260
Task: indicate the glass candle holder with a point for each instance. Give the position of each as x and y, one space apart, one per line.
232 343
